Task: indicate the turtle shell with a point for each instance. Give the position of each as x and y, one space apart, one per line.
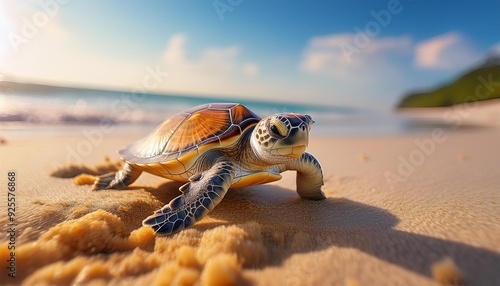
190 133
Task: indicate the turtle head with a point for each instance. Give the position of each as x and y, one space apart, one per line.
281 137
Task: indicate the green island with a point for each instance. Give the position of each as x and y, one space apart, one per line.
481 83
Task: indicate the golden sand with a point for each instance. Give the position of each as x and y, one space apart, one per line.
84 179
363 157
97 247
446 272
352 282
367 231
74 170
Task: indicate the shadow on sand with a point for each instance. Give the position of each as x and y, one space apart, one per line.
346 223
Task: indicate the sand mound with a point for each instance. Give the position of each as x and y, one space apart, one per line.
446 272
244 240
97 248
73 170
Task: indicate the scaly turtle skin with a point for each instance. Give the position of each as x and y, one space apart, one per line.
212 148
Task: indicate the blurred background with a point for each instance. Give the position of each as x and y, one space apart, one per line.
353 65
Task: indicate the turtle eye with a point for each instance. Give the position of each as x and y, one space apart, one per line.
278 128
275 130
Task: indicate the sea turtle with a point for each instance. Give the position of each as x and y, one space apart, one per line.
211 148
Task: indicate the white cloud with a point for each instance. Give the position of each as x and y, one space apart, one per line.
450 51
211 60
175 50
344 56
250 69
495 49
217 70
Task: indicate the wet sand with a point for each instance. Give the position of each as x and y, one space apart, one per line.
404 210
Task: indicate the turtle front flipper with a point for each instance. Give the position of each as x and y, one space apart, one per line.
119 180
199 196
309 176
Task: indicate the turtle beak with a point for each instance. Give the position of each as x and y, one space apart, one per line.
302 135
298 151
299 138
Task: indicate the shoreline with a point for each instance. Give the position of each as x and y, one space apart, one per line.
480 113
400 122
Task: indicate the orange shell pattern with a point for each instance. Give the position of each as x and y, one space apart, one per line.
189 130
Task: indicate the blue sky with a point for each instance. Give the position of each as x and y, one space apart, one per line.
356 53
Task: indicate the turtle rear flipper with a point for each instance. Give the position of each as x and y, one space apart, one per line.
199 196
119 180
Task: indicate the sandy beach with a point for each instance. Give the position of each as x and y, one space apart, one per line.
401 120
402 210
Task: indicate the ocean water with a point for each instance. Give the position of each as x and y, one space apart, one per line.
69 110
